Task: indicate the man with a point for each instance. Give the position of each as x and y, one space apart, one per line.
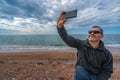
94 61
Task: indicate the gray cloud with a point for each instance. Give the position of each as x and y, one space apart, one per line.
39 15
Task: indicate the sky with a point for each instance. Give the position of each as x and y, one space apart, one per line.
39 16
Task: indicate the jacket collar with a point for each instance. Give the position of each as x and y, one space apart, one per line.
101 45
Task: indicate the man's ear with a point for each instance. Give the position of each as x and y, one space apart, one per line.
102 36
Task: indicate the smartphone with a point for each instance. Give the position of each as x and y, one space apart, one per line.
70 14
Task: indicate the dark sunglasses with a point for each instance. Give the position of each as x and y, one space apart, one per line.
95 32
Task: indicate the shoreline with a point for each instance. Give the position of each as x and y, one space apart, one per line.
18 48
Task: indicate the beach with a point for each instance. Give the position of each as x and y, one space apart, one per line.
44 65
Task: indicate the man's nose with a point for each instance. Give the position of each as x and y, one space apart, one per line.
92 32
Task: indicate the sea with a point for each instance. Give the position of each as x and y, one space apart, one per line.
32 43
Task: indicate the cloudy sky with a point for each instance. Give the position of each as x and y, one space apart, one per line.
39 16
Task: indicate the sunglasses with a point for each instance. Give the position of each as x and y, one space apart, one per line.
95 32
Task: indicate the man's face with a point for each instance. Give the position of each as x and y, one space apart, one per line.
94 34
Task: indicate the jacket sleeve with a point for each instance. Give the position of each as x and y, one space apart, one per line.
107 68
69 40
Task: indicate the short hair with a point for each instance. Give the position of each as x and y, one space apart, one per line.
99 28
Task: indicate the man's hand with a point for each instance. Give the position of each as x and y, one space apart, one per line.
61 20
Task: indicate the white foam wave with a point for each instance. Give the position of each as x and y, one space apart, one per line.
21 48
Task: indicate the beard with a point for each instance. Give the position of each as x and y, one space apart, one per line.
93 39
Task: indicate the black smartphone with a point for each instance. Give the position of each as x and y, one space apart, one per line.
70 14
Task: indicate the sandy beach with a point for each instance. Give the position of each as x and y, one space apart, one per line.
43 65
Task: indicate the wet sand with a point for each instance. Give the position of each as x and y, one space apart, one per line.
45 65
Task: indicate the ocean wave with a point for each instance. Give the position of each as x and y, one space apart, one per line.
23 48
113 45
113 48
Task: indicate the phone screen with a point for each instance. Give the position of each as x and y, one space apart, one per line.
70 14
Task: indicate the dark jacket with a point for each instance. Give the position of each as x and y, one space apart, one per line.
98 61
